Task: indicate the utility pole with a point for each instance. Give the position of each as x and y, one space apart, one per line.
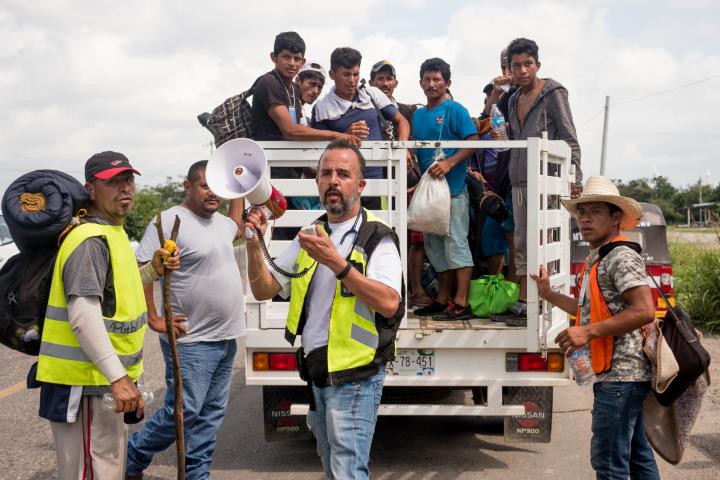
700 187
604 136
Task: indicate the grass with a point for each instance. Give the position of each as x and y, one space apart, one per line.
696 272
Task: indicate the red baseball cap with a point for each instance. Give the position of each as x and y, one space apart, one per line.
106 165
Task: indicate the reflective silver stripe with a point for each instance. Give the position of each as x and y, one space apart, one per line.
115 326
361 335
112 326
363 311
75 353
56 313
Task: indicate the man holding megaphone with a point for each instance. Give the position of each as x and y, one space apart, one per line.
347 307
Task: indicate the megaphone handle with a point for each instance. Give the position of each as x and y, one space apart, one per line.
249 233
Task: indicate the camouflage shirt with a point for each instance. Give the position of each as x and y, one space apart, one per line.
621 270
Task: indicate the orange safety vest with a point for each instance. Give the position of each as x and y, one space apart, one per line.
601 349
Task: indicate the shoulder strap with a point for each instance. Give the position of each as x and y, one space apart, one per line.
381 119
372 231
609 247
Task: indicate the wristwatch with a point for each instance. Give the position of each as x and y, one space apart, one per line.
344 271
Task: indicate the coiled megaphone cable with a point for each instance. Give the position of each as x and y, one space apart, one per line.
268 258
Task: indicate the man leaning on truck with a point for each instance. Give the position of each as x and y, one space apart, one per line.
347 308
614 302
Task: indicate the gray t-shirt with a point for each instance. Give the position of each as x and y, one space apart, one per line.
87 271
621 270
207 288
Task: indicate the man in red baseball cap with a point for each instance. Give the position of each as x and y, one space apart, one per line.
110 181
92 339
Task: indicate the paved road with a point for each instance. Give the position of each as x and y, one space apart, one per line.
404 448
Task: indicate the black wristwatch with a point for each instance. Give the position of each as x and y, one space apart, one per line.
344 271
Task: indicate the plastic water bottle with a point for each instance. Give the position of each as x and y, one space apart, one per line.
498 126
108 402
582 367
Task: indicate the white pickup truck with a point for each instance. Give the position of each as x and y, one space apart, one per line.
510 371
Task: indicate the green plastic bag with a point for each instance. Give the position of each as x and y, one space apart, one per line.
491 294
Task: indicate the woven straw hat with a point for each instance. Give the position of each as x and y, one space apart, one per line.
602 189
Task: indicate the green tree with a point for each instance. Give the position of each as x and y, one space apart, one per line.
148 200
663 195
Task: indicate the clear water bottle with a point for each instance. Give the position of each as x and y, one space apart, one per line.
498 126
582 367
108 402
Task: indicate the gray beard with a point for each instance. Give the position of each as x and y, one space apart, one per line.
343 207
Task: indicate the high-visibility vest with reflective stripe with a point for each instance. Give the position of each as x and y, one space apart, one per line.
359 339
61 358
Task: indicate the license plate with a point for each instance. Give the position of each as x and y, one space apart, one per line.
412 362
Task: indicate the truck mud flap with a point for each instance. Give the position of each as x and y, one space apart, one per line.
279 424
536 425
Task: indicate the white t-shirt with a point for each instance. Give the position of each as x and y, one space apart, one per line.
208 287
307 114
384 265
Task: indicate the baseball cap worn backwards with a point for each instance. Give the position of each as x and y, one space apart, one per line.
382 65
312 67
106 165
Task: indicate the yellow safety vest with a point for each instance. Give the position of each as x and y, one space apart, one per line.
359 339
61 358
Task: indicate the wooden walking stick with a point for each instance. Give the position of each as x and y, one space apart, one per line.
169 327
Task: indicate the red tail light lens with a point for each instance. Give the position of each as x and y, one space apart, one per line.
531 362
283 361
666 282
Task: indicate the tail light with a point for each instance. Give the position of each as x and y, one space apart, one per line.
575 270
663 276
283 361
533 362
265 361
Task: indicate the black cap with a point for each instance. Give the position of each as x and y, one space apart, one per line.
381 65
106 165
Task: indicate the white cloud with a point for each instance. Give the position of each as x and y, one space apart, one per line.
83 76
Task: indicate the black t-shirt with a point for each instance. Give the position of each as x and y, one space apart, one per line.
269 90
407 110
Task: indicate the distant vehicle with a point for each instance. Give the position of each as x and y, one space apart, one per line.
7 245
651 234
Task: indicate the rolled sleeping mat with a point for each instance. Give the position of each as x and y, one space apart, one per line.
39 205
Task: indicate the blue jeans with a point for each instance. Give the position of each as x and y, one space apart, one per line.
619 447
206 375
343 424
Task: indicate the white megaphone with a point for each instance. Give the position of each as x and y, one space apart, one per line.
237 169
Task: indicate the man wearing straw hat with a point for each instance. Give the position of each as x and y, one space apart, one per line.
614 303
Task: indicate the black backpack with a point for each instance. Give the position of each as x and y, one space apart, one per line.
231 119
691 356
25 281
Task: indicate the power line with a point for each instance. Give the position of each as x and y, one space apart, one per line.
660 134
662 92
644 97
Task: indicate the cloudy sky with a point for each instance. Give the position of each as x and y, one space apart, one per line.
78 77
